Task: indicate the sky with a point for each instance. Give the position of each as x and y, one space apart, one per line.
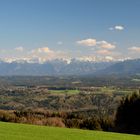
93 30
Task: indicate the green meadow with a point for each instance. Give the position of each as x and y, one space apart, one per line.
64 91
12 131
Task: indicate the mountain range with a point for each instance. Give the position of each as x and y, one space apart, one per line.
74 67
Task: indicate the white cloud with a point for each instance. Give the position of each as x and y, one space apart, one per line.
87 42
135 49
20 48
40 55
42 50
104 52
97 44
109 58
117 27
44 53
105 45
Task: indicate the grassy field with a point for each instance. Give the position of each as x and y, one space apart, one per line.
106 90
11 131
64 91
114 90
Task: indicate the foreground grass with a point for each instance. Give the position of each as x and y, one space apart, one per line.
11 131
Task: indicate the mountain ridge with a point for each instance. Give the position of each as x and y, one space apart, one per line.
75 67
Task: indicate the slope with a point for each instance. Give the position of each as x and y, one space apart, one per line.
11 131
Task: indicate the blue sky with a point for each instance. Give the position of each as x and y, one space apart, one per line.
83 29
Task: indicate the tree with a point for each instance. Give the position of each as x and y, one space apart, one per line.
128 115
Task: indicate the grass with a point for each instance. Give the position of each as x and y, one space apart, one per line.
11 131
107 90
64 91
110 90
136 80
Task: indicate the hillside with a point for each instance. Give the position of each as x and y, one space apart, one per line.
11 131
128 67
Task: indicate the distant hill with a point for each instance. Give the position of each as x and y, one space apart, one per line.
128 67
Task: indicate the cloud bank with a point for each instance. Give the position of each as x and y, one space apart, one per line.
94 43
134 49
